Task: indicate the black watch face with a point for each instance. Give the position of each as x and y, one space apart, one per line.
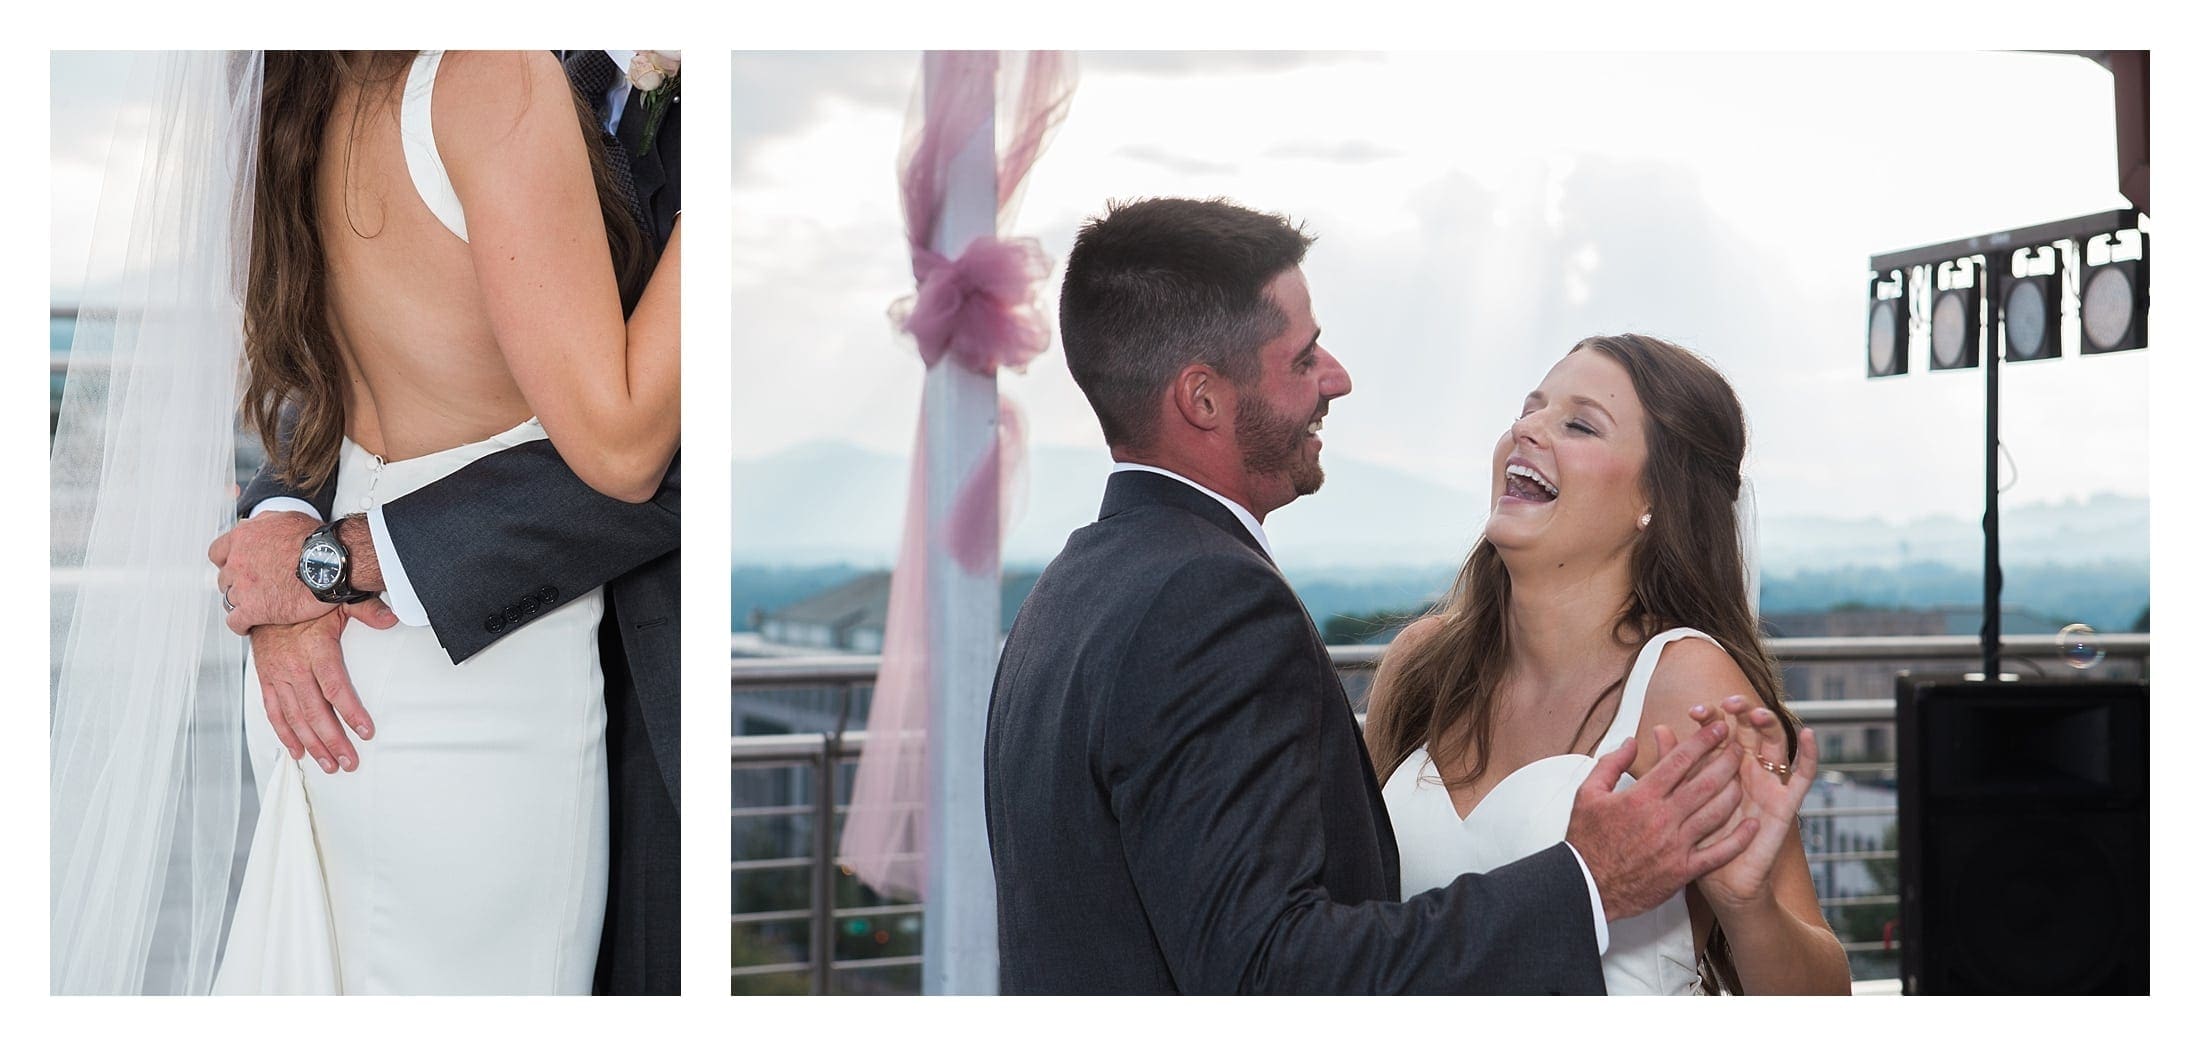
321 565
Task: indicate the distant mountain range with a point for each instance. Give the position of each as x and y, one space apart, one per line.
823 503
1378 540
2102 529
787 513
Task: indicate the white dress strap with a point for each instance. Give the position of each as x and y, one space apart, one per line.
1628 721
416 125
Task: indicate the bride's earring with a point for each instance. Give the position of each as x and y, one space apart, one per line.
1644 522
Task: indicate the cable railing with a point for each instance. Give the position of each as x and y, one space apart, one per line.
801 923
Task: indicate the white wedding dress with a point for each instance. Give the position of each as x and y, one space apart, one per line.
469 853
1651 954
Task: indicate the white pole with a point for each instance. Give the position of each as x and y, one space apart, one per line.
962 410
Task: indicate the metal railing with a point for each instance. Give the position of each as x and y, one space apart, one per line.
814 764
249 455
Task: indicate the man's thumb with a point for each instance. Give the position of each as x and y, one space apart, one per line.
372 613
1605 775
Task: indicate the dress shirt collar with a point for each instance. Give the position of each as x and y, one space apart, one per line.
1252 526
615 97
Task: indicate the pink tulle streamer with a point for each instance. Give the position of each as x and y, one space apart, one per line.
986 503
980 309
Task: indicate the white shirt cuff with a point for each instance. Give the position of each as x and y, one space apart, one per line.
1596 902
284 505
397 590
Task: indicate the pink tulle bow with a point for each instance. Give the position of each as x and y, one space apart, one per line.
983 308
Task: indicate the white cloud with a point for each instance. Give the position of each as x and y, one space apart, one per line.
1494 209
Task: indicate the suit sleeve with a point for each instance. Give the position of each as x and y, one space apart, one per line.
1212 761
265 485
492 546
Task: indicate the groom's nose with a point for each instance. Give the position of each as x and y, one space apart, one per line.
1335 382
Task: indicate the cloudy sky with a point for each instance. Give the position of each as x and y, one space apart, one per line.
87 91
1478 214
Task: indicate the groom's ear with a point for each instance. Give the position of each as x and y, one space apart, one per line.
1201 397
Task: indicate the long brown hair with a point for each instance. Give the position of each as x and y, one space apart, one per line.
1685 572
294 374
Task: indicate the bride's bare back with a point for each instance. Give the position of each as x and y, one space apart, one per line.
423 366
448 340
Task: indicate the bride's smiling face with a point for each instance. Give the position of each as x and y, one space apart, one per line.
1566 479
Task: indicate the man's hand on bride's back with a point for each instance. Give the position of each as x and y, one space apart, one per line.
258 560
1642 845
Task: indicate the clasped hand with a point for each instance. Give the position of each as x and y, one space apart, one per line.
1711 811
1680 821
1772 794
296 639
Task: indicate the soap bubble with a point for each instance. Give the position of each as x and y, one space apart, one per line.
2080 647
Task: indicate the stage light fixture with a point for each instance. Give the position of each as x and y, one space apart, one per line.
2112 305
1889 334
1955 328
2031 315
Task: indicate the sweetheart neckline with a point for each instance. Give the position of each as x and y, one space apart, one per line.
1429 763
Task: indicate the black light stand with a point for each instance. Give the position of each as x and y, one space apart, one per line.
1990 346
1996 253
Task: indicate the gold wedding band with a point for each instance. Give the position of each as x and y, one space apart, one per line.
1778 768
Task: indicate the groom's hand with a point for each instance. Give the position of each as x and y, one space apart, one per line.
305 687
258 559
1642 845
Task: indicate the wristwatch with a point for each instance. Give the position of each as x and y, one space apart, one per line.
324 564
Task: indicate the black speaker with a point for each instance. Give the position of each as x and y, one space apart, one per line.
2023 820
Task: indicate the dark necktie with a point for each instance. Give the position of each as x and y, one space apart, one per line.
593 73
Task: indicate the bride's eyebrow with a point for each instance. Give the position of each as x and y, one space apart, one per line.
1593 403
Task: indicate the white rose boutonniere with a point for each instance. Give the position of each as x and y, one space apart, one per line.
657 75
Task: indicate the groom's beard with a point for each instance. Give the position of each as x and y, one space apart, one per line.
1269 443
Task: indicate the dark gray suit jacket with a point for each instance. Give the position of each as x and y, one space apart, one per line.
656 172
1179 798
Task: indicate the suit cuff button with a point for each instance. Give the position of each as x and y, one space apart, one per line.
495 623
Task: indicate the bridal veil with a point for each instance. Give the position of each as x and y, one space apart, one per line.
146 736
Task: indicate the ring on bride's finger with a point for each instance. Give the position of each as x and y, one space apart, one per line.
1778 768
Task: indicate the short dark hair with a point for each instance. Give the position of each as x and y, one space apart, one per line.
1155 286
